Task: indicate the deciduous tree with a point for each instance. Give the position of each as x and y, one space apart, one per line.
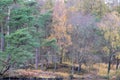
59 29
109 27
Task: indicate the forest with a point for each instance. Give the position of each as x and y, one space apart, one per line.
59 40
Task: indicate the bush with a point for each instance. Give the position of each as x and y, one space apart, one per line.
118 75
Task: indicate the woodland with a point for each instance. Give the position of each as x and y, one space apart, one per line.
59 40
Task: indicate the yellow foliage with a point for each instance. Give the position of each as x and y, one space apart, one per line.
59 25
110 26
105 49
118 55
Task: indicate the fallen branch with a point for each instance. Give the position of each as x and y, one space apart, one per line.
7 68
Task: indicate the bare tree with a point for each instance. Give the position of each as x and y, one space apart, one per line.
83 37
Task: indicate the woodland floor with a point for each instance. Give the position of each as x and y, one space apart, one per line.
97 72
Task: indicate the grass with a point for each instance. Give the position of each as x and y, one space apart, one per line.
102 70
99 69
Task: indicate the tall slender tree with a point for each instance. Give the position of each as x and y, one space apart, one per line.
59 29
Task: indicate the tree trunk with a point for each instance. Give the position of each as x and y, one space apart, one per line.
109 63
8 18
36 58
72 71
37 52
61 57
8 32
55 66
79 68
2 38
61 60
117 63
